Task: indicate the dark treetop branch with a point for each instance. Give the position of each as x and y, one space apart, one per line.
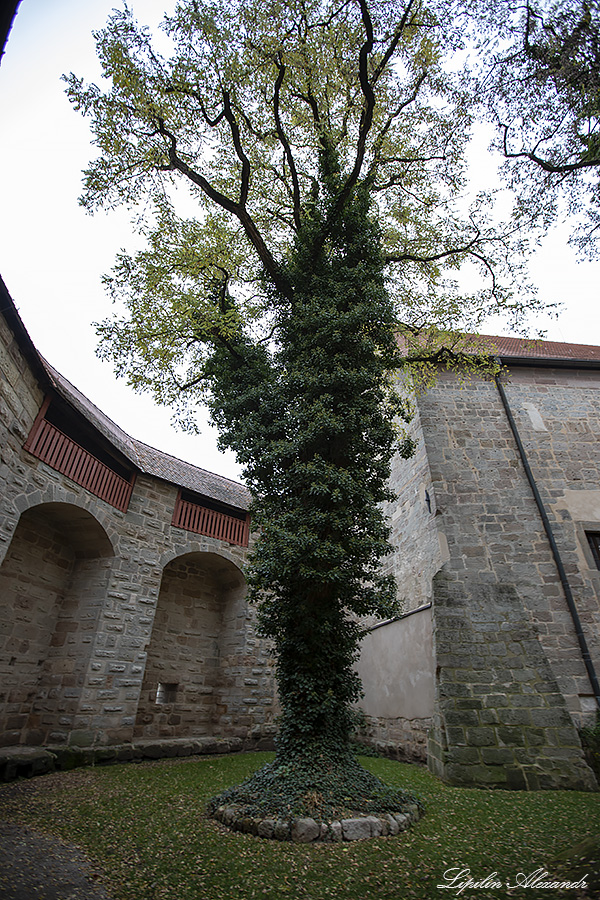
284 141
226 203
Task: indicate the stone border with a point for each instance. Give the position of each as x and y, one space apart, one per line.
307 830
26 762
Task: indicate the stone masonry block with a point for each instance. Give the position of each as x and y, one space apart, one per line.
481 737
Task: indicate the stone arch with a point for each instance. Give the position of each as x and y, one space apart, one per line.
208 547
54 495
198 627
53 582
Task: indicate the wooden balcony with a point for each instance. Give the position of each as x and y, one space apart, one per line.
61 453
194 517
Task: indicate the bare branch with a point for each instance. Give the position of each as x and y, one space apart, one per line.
226 203
284 141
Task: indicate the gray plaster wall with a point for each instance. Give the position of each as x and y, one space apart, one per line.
396 667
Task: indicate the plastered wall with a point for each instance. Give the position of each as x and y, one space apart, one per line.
396 666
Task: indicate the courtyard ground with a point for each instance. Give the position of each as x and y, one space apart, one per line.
140 832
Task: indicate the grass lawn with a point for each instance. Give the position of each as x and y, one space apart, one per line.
145 826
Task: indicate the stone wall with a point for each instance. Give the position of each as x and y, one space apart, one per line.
500 719
81 586
558 416
51 597
498 550
418 554
116 625
396 662
488 513
183 654
33 582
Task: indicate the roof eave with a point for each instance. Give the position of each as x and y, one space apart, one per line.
21 335
548 362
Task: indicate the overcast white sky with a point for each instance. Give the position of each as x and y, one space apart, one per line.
52 253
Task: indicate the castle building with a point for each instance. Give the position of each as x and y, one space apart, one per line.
124 620
496 530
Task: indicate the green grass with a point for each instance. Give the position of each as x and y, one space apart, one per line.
146 827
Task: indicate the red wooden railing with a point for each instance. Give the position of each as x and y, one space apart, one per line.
60 452
196 518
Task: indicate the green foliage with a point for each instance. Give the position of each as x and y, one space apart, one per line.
325 786
320 482
590 741
538 79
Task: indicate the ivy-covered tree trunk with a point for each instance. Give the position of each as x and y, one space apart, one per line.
320 422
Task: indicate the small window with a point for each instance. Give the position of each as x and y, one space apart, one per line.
594 542
166 693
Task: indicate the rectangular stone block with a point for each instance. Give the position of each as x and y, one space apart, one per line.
521 717
481 737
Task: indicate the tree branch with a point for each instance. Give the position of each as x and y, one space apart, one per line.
377 160
188 92
366 117
239 150
284 141
553 168
435 257
392 45
226 203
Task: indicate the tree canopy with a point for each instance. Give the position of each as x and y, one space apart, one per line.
321 145
239 114
539 81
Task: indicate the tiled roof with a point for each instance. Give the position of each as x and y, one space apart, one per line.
148 459
522 348
117 437
185 475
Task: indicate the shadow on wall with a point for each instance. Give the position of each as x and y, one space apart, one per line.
193 664
53 584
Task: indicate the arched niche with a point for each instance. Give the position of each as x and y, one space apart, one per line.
53 583
199 623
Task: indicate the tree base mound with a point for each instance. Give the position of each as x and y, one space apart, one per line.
315 800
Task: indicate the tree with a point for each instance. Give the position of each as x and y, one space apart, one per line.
542 90
321 143
7 15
